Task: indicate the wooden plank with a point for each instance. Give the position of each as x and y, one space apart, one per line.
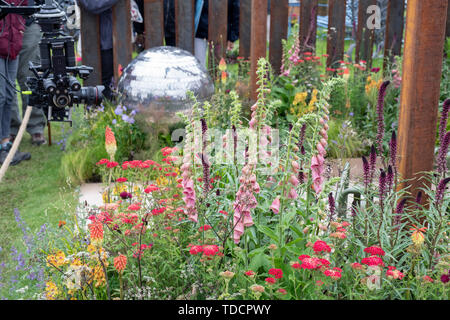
184 24
422 71
90 46
394 30
258 46
217 27
336 32
123 48
279 16
154 23
245 28
365 36
308 25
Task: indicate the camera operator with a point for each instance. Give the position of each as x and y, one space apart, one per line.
11 34
103 8
29 52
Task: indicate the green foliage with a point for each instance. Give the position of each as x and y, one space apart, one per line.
86 144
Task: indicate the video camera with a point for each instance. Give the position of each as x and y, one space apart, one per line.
55 87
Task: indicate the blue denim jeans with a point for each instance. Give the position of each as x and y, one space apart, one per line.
8 69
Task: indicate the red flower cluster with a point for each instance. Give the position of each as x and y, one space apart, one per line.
393 273
375 251
278 273
373 261
270 280
249 273
151 188
140 251
208 250
335 273
320 246
206 227
311 263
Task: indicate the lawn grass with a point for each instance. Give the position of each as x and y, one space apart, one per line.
36 189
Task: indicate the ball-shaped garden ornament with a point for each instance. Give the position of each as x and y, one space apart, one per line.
157 81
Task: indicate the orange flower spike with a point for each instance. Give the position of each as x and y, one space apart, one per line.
222 65
110 142
224 77
120 263
96 232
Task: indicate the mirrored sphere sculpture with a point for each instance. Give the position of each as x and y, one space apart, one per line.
156 83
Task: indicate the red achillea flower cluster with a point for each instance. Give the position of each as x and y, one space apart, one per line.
270 280
357 266
311 263
206 227
373 261
140 251
277 273
112 164
393 273
134 207
249 273
151 188
335 273
427 279
122 179
158 211
208 250
321 246
374 251
282 291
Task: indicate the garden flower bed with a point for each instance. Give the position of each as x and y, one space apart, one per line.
254 203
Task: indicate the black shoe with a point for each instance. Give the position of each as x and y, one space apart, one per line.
18 157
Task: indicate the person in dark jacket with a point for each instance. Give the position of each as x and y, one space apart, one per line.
201 25
12 28
103 9
29 53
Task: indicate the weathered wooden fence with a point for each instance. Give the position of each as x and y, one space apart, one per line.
426 28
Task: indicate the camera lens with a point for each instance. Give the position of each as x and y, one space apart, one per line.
49 86
61 101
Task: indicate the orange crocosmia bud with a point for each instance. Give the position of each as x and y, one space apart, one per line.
120 262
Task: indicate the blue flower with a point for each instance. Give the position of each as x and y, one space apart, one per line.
118 110
114 121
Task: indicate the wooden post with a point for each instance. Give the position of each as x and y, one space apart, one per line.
279 14
154 23
336 32
122 46
90 46
394 30
245 28
422 70
447 33
365 36
217 27
258 46
308 25
184 24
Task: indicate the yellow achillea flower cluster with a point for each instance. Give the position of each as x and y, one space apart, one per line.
56 260
51 290
302 107
372 84
99 276
162 181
